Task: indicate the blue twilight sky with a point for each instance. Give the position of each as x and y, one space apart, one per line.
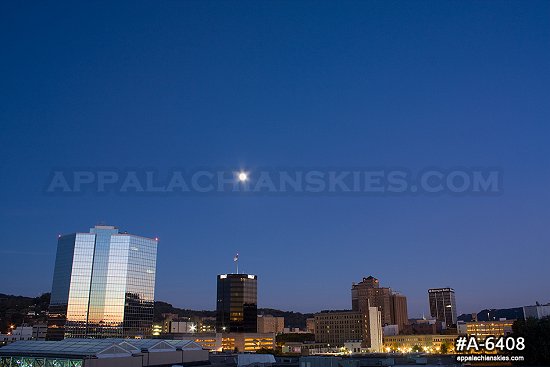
158 85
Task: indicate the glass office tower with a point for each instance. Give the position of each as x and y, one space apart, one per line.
237 303
443 305
103 285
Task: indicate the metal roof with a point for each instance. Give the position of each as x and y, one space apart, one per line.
95 348
255 359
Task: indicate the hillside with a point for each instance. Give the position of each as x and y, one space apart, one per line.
20 309
15 310
292 319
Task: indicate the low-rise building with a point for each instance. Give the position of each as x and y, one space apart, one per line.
337 328
173 324
428 343
422 327
167 319
103 353
19 333
242 342
461 328
537 311
39 331
294 330
306 348
182 327
483 329
310 325
271 324
390 330
354 347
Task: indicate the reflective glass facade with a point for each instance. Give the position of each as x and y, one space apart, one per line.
443 305
237 303
103 286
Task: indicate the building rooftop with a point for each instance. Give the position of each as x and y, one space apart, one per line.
237 275
95 348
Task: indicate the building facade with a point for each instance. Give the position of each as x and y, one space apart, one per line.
392 306
428 343
310 325
271 324
422 327
242 342
20 333
104 353
483 329
237 303
373 338
537 311
39 331
399 312
443 305
183 327
339 327
336 328
369 293
103 285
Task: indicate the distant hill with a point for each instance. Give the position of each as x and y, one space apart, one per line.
515 313
16 310
164 307
20 309
292 319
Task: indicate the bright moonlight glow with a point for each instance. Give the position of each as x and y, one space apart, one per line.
243 176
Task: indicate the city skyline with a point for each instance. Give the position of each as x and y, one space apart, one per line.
320 307
370 280
284 86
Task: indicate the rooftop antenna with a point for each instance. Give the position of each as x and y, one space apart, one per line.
236 261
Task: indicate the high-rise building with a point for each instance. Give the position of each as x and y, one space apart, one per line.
103 285
399 311
443 305
392 306
237 303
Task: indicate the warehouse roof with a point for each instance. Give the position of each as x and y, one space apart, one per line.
96 348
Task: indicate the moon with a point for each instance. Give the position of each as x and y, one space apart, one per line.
243 176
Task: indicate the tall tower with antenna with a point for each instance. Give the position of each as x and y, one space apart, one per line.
237 302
